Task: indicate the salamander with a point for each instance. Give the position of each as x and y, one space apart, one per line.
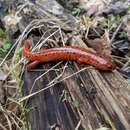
68 53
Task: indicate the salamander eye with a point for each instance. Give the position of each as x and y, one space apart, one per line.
109 66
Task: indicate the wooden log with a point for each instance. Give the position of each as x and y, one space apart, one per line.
87 100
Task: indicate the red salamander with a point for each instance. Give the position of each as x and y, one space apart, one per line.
72 53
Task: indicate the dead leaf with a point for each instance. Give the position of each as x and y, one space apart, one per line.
100 45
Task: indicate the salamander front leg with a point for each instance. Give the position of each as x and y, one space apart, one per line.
32 65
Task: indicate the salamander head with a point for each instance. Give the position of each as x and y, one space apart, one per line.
111 66
99 61
107 65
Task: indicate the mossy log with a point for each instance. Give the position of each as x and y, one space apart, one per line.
87 100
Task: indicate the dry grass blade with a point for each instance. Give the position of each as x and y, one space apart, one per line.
19 120
36 46
27 97
21 37
126 64
9 52
32 25
62 39
3 128
115 33
22 7
15 122
48 38
14 67
43 75
78 125
59 75
9 121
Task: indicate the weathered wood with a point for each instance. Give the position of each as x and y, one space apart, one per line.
90 99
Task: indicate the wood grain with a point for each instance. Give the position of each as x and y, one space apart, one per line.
88 100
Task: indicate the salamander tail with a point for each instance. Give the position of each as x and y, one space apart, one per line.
26 50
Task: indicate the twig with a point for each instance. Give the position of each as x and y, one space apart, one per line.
115 33
59 75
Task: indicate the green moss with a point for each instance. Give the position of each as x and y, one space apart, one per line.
4 49
76 103
7 45
16 67
2 33
113 20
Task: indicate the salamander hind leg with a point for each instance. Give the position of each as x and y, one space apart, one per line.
32 65
83 60
80 60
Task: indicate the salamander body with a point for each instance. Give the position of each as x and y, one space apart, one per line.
67 53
